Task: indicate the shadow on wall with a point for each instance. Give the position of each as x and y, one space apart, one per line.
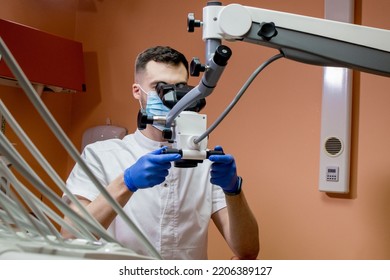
86 6
353 191
84 103
92 96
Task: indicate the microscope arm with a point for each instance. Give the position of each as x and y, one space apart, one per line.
215 66
305 39
301 38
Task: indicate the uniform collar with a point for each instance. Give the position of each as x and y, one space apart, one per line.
146 142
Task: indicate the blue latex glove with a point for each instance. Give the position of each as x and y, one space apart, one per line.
223 172
149 170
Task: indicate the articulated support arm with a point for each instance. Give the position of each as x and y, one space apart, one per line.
301 38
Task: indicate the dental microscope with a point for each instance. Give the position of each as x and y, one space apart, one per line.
300 38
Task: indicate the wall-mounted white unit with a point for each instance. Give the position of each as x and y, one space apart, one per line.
336 114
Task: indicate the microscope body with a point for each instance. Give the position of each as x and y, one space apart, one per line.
188 126
183 133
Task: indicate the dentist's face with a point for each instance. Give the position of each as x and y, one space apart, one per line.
155 73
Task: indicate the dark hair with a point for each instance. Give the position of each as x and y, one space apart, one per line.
162 54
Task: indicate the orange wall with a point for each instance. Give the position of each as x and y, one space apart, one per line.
273 132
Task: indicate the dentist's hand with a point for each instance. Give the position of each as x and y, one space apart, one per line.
149 170
224 173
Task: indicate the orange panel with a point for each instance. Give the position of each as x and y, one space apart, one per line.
44 58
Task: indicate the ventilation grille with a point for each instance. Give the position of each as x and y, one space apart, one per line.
333 146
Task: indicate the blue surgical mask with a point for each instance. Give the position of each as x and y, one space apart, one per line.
155 106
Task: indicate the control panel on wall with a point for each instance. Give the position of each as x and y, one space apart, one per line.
332 174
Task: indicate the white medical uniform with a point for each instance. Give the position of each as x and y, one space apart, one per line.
174 215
